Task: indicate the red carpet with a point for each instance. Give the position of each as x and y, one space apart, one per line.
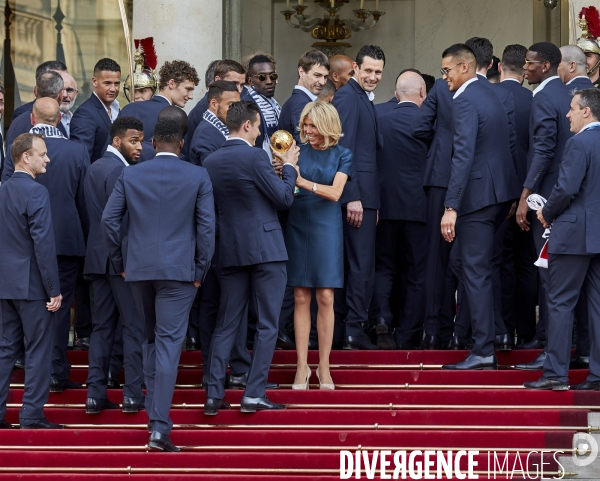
394 400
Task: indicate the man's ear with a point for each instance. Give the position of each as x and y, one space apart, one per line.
181 142
500 67
32 118
153 143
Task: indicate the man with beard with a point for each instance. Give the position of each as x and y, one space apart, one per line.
67 100
313 68
112 295
262 80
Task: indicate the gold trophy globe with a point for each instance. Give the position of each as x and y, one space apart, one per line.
281 141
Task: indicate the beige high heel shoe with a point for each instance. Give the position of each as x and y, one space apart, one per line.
304 385
328 387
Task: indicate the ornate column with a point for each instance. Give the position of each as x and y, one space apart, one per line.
189 30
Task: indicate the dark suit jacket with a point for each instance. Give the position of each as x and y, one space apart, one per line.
22 125
194 119
549 130
171 231
522 99
99 184
290 113
206 140
23 108
362 137
482 172
580 84
28 255
90 126
433 123
386 107
248 194
401 163
64 178
146 111
574 204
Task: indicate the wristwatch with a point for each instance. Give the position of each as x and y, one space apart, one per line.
448 209
314 187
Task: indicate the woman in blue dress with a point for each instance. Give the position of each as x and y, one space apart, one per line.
314 236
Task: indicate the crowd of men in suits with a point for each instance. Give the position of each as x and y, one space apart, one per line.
440 238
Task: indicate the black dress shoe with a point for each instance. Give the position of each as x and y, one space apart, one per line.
430 343
359 343
587 386
192 344
113 381
20 362
503 342
474 362
284 342
57 385
132 406
381 326
239 382
457 344
533 344
253 404
386 342
5 425
212 406
82 343
535 365
95 405
546 384
580 362
42 424
162 442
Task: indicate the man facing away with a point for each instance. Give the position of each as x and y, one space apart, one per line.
167 257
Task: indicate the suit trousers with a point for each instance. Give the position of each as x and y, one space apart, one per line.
401 250
68 268
164 307
567 275
472 264
540 329
209 310
359 256
29 322
263 285
438 258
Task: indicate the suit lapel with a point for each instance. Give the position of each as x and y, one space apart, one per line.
101 110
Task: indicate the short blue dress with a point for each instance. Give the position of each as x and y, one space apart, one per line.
314 236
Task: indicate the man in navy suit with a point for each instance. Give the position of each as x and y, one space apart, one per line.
176 83
262 80
574 245
520 278
360 200
212 134
49 84
229 70
29 285
252 252
313 68
170 112
572 69
385 107
483 184
90 124
112 295
165 259
401 231
549 131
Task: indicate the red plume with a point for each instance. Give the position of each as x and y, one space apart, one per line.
147 45
592 16
137 43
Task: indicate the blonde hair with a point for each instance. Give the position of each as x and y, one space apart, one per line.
326 120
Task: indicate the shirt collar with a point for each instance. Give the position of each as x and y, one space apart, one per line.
589 126
371 95
114 108
579 76
407 102
239 138
311 96
166 153
510 78
464 86
541 86
110 148
159 95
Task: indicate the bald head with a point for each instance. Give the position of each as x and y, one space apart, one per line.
340 70
573 63
410 86
45 111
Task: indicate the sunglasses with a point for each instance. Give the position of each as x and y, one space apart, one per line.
444 71
263 76
70 90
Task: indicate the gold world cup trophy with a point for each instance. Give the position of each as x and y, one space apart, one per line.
281 141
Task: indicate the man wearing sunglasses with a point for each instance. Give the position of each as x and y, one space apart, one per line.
262 80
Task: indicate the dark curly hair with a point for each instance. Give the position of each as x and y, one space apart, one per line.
179 71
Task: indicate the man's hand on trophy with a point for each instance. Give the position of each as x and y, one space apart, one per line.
277 164
291 156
